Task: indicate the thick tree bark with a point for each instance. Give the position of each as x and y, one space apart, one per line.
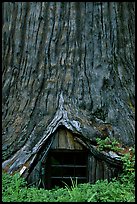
66 63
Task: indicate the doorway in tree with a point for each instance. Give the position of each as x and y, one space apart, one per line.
64 165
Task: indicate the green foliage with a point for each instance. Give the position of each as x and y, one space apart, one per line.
101 191
12 187
129 161
121 190
74 192
108 144
128 167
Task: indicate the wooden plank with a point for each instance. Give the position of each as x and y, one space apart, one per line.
62 140
109 174
55 144
89 170
99 170
72 143
70 140
93 170
80 141
105 171
98 175
113 172
77 145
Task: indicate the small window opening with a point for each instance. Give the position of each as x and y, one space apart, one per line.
62 166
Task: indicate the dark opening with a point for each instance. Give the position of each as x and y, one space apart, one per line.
62 166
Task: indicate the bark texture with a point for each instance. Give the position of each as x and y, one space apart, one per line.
70 64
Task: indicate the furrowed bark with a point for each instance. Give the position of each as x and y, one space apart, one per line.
70 64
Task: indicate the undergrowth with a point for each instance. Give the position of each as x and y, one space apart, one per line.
14 189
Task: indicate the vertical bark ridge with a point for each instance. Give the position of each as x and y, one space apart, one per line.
23 30
82 50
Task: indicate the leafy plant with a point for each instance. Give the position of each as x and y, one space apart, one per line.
101 191
128 174
12 186
74 192
108 144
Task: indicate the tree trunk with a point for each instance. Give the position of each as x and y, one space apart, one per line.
66 63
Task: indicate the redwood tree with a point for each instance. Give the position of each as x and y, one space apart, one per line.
66 63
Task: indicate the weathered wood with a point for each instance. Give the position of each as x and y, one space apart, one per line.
70 140
89 169
109 174
55 144
99 170
93 170
64 139
105 171
35 178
